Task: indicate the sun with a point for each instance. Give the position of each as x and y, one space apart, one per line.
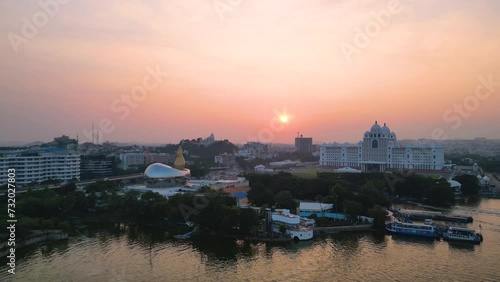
284 118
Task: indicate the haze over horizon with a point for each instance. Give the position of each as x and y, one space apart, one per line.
233 69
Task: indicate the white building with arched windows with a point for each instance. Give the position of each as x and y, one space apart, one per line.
380 151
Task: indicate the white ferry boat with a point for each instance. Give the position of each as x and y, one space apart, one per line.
463 235
298 228
415 229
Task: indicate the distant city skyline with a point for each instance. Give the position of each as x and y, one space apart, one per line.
160 71
291 143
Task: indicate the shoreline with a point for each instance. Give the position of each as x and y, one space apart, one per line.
247 238
346 228
38 237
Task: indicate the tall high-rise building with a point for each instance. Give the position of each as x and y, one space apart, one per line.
303 144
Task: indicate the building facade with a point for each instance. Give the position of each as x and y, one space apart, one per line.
380 151
129 159
35 166
207 141
254 150
303 144
96 166
163 158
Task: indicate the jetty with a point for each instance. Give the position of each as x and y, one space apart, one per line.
423 215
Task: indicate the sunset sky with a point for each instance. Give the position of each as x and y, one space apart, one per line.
233 65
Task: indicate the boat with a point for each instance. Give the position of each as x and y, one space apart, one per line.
187 223
184 236
463 235
414 229
298 228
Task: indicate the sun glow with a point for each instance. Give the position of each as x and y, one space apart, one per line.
284 118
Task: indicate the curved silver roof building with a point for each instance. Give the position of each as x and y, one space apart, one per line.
159 170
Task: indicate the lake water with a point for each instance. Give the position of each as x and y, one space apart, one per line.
116 253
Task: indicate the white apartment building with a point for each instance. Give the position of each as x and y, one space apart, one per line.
41 165
129 159
380 151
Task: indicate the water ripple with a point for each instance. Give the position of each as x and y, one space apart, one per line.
339 257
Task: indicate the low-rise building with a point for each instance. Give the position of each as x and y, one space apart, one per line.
130 159
314 207
96 166
163 158
380 151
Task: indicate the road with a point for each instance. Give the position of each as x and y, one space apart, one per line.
86 182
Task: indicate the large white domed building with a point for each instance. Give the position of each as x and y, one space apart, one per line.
163 171
380 151
162 175
166 180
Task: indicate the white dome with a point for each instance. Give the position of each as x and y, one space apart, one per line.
159 170
375 128
386 129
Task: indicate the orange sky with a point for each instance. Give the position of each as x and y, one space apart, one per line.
232 67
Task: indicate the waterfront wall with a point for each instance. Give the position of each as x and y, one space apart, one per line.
337 229
35 237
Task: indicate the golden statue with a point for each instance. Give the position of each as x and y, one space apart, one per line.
180 162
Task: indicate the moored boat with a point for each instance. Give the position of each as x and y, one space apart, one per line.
414 229
184 236
463 235
298 228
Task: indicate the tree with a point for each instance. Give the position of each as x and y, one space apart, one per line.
470 184
64 225
151 196
205 189
352 208
67 189
47 224
260 196
230 219
248 220
220 213
198 170
440 193
284 200
322 221
340 192
379 214
369 195
131 203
